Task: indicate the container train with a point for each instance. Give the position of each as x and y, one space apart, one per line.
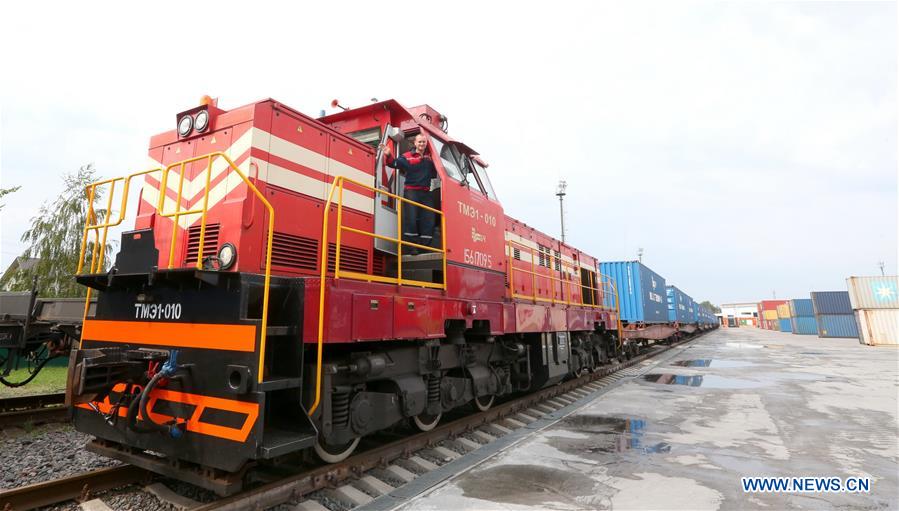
265 303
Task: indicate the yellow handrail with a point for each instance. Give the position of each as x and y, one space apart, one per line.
97 262
599 296
338 186
564 284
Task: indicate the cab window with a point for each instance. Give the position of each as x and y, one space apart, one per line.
371 136
481 172
450 157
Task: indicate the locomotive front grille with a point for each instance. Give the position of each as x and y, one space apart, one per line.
210 242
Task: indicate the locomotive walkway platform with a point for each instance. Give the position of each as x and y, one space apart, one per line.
681 432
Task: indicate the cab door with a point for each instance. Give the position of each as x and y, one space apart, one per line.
474 224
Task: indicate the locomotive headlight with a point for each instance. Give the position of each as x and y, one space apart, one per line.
185 125
201 121
227 256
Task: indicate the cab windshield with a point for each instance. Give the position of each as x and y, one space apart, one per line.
450 157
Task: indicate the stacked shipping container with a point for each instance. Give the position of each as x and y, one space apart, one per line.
803 317
833 313
768 314
783 317
875 302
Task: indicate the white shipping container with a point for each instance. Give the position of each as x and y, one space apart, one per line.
878 326
873 292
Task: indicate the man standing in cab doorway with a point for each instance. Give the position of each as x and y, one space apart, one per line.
418 169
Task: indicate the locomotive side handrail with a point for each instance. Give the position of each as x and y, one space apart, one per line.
338 186
564 284
601 291
96 263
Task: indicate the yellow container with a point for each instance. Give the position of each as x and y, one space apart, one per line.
783 311
772 314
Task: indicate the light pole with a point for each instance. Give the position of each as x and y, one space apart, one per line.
880 263
640 254
560 193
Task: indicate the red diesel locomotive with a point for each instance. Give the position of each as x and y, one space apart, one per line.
264 304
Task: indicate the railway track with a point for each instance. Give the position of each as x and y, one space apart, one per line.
514 413
36 409
78 487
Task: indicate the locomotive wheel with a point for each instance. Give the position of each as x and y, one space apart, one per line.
425 422
483 403
335 453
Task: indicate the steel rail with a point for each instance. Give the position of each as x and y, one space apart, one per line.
78 487
329 476
34 409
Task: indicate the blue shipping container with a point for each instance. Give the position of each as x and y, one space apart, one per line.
641 292
802 307
679 305
804 325
785 325
831 302
837 325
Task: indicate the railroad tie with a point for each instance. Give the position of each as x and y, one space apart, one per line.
500 430
95 505
534 412
165 494
545 408
422 464
374 485
525 418
309 505
466 444
512 423
483 436
400 473
443 454
348 494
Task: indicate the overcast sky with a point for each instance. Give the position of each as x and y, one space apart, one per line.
748 148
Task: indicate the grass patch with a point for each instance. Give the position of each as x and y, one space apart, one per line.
51 379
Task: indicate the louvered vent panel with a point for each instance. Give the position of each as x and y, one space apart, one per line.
294 251
377 265
351 259
210 242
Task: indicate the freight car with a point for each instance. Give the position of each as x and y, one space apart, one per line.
265 303
650 309
35 330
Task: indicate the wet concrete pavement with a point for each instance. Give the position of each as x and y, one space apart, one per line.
735 403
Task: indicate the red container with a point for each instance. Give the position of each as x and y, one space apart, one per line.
768 305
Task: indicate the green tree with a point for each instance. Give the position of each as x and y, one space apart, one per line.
54 238
7 191
708 305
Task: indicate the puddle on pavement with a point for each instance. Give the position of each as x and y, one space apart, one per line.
711 362
709 381
531 485
606 435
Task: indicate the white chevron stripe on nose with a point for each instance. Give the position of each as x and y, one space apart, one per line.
192 191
